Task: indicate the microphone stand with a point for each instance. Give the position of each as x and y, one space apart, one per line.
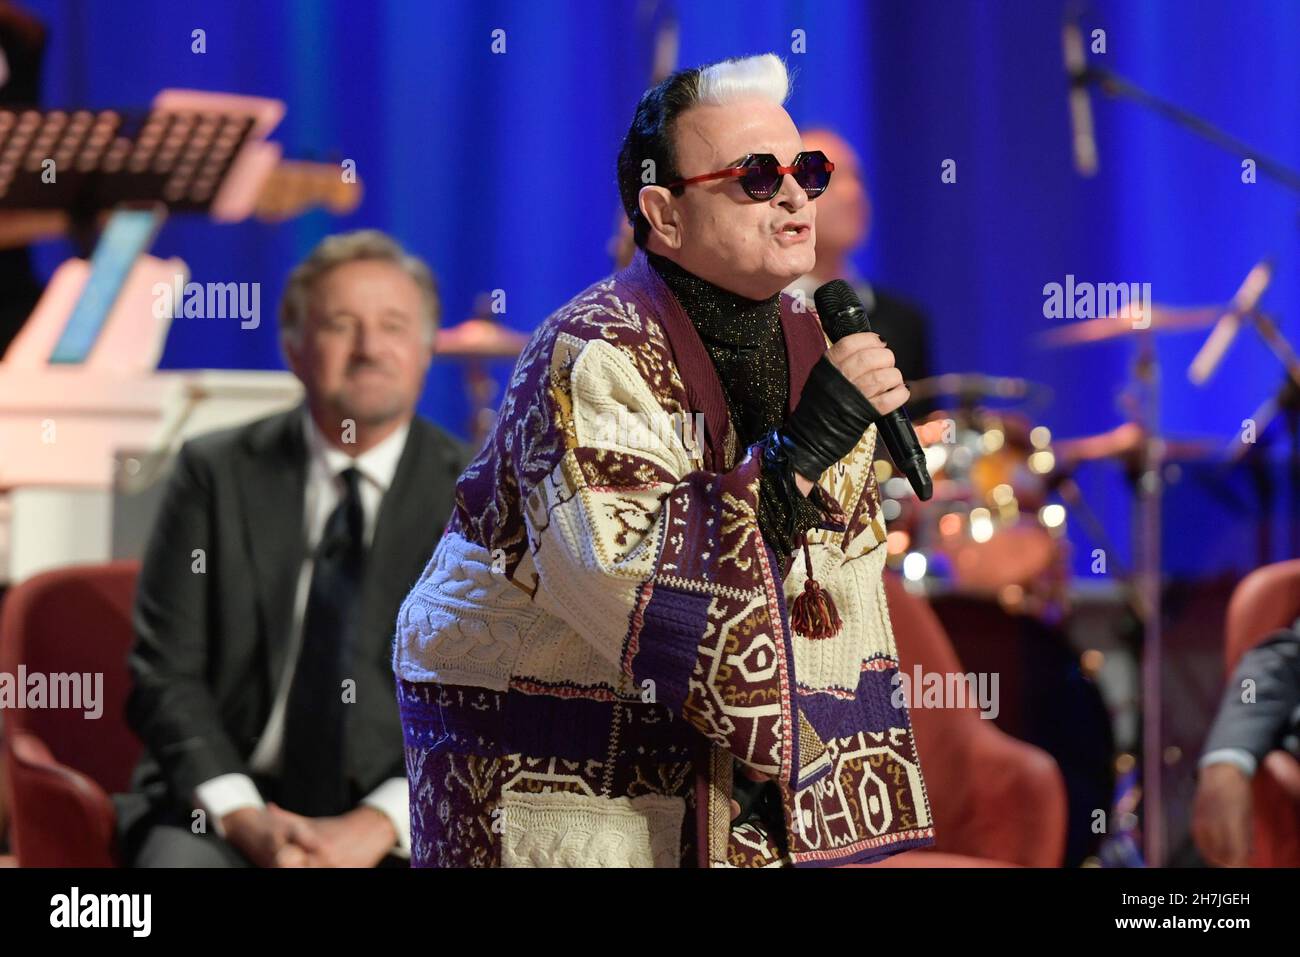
1286 405
1148 564
1116 86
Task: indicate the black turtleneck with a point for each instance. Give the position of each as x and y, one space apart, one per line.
746 342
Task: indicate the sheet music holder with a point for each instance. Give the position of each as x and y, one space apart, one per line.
96 381
194 151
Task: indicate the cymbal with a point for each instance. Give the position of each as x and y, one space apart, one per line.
1157 319
479 339
974 385
1125 443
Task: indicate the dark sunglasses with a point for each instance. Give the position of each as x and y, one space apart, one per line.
760 174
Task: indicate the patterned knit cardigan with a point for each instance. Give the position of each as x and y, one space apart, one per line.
601 629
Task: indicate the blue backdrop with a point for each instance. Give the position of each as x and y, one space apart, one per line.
499 168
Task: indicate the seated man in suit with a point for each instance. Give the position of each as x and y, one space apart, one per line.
1260 712
843 224
263 685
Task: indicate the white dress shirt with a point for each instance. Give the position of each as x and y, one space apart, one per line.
324 490
1238 756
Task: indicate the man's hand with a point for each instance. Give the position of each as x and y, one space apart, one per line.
863 359
1221 815
850 386
264 837
878 380
359 838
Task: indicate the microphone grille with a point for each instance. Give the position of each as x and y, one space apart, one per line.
834 296
839 309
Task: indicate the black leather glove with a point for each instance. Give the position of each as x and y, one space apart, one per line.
828 422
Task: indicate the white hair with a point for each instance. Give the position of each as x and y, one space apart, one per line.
764 76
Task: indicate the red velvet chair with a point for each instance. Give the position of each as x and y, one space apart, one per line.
1265 600
60 766
996 801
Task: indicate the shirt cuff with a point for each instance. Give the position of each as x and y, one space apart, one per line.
1238 756
393 800
225 793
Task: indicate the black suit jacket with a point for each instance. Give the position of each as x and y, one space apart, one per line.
1272 720
211 638
906 331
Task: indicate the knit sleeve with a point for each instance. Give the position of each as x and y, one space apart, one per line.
659 564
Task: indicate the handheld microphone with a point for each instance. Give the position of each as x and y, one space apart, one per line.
1076 68
841 313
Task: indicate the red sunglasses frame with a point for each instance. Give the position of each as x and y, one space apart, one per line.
745 166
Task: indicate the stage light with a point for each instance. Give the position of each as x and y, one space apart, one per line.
914 567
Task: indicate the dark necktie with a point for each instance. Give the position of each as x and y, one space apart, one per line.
313 776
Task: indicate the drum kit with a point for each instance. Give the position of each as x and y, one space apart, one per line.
989 530
995 528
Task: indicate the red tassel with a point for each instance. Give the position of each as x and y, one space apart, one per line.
813 614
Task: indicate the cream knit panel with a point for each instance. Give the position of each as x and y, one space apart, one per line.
851 573
855 586
612 407
463 622
568 829
594 547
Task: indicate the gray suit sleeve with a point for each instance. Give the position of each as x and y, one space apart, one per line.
170 706
1256 725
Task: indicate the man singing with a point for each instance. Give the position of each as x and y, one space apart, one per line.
612 657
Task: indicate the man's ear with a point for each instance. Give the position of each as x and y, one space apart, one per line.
657 206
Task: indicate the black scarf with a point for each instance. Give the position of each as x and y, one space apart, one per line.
745 340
